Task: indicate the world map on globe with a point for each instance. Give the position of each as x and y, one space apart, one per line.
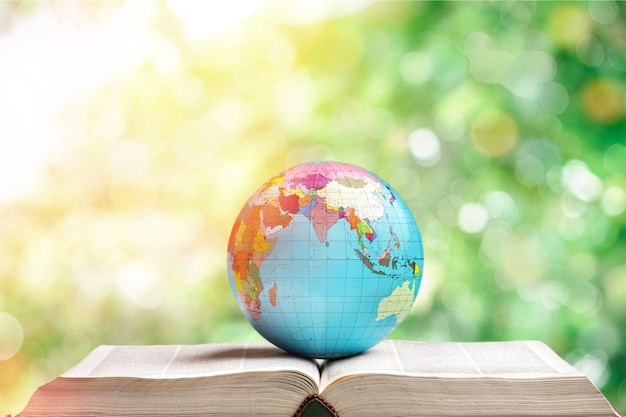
325 259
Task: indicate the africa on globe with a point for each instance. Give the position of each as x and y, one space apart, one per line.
325 259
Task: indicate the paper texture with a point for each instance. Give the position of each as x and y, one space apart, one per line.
518 359
179 361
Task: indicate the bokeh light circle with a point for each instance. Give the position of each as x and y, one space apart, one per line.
11 336
494 132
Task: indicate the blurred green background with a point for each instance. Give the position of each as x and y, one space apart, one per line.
132 133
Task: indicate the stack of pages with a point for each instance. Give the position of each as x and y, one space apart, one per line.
521 378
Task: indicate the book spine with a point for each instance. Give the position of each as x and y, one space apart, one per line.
315 397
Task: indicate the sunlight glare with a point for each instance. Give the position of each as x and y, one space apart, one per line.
204 19
47 63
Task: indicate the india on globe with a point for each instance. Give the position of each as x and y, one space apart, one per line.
325 259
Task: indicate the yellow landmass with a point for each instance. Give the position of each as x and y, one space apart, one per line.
260 244
399 302
238 282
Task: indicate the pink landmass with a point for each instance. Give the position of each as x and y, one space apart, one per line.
318 174
311 182
323 219
385 257
254 308
384 254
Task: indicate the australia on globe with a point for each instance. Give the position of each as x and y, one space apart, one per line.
325 259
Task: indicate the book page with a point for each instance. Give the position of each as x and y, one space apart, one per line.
520 378
180 361
452 359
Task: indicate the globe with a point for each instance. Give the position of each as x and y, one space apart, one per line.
325 259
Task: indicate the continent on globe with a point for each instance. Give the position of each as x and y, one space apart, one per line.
322 217
339 253
398 303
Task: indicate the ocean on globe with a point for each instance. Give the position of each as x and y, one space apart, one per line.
325 259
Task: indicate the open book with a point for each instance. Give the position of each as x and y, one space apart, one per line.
524 378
